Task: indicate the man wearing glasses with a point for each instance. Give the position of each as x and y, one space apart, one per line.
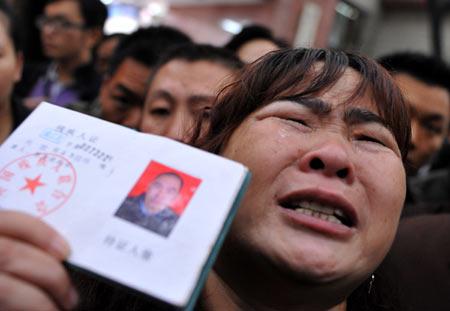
69 31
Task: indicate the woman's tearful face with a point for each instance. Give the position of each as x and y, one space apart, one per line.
328 185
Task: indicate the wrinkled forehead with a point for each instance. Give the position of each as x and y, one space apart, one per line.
189 81
348 89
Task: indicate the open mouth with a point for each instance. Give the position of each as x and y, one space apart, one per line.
321 210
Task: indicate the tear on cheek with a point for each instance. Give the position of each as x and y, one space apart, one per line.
283 133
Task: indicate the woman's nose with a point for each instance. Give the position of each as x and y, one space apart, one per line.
331 160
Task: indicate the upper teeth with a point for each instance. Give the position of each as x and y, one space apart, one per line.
320 211
320 208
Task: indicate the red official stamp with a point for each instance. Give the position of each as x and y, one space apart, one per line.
38 183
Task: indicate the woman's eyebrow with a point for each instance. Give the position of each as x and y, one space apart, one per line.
316 105
164 95
354 116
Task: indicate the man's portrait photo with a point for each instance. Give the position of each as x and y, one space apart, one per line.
158 198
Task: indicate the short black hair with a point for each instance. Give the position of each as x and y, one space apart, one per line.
119 36
94 12
253 32
104 38
202 52
427 69
14 30
146 45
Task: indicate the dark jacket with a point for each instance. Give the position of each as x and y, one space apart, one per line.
419 262
161 222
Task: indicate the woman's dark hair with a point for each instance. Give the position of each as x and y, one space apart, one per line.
281 73
12 25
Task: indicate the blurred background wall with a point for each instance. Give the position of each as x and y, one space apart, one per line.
374 27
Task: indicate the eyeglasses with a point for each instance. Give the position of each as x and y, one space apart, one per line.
57 23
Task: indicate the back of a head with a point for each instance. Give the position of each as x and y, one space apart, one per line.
146 45
422 67
253 32
118 36
12 25
94 12
202 52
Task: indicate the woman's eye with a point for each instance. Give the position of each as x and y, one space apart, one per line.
118 98
162 112
370 139
298 121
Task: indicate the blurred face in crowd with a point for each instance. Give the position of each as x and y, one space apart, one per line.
63 33
254 49
104 52
10 64
179 92
430 108
123 94
162 192
327 188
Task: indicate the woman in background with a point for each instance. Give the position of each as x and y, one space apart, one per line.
11 60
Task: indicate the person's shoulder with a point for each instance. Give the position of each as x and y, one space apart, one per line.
423 238
129 205
170 215
30 75
86 71
87 82
424 225
431 187
418 262
92 109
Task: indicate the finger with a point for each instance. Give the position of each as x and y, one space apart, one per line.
31 265
34 231
17 295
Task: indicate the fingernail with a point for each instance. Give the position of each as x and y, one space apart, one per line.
60 247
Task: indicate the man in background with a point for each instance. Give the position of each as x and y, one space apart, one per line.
125 84
69 30
425 82
183 88
104 51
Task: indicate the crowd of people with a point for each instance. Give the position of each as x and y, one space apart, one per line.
343 149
